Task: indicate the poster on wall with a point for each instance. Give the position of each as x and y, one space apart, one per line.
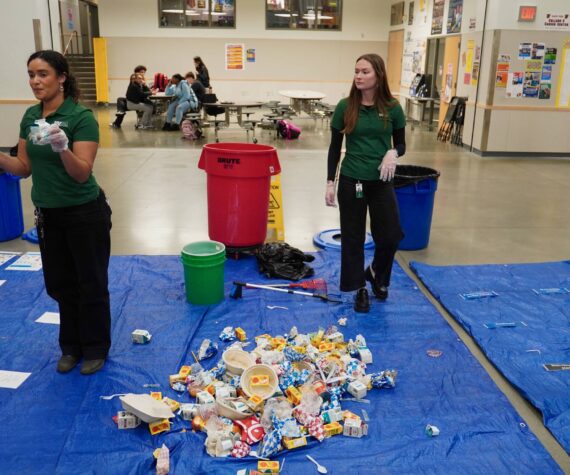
475 73
234 56
469 62
557 21
531 84
537 51
250 55
437 17
546 74
550 56
411 13
515 85
454 16
544 91
563 91
448 84
502 75
472 24
422 5
525 50
533 66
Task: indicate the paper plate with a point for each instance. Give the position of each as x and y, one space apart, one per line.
237 360
262 391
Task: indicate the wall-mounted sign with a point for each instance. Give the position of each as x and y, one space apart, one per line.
557 21
527 13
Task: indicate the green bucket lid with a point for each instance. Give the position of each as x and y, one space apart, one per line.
203 249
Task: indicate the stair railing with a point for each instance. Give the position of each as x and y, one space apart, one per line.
74 32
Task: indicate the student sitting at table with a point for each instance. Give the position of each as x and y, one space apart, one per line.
196 86
137 100
184 99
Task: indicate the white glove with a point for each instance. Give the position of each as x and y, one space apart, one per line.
388 166
57 139
330 195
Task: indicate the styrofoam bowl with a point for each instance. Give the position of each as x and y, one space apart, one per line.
264 392
237 361
225 410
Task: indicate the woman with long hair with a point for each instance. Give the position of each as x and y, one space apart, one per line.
373 124
202 72
57 147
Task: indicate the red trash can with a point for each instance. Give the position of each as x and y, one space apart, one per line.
239 179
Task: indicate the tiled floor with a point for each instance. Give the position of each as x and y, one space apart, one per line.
487 210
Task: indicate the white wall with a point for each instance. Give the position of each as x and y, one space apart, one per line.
362 20
503 14
291 59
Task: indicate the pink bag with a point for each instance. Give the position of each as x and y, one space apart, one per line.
288 130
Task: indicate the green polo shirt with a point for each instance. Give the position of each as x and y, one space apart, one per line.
52 187
367 144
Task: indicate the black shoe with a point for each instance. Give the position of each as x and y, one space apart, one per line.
92 366
380 291
361 301
66 363
174 127
166 126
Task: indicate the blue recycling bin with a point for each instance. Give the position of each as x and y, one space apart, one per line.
415 190
11 215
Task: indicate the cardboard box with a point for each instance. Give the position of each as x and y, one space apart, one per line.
204 397
259 380
185 371
268 466
240 334
160 426
126 420
332 415
171 403
323 347
334 428
141 337
293 443
293 395
156 395
357 389
189 411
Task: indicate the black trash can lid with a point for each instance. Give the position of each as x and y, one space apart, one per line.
408 174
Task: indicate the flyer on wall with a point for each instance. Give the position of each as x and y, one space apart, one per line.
437 17
454 16
550 56
515 85
502 74
525 50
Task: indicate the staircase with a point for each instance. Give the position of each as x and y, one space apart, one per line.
83 68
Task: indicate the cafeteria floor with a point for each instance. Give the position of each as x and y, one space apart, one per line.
487 210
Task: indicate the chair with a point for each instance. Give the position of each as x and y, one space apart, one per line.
210 98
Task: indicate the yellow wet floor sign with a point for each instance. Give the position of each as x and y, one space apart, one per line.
275 226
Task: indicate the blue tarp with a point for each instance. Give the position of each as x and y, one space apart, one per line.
58 424
534 297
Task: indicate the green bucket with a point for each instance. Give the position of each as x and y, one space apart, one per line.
203 263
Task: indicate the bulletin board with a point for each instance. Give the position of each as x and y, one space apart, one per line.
529 67
413 59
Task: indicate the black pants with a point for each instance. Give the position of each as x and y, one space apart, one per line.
75 245
380 199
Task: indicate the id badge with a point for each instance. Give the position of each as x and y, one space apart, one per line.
359 193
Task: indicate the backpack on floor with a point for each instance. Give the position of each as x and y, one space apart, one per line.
288 130
190 130
160 81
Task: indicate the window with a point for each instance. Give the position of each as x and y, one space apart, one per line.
303 14
196 13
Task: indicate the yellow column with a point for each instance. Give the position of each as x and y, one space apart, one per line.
101 70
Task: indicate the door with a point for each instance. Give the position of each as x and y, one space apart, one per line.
448 85
394 63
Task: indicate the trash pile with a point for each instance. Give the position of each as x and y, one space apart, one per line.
275 397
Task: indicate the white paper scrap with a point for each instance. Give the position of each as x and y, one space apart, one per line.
30 261
2 282
49 317
5 256
12 379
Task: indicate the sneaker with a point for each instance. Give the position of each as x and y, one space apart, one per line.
361 301
380 291
66 363
114 126
92 366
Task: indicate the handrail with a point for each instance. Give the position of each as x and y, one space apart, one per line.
74 32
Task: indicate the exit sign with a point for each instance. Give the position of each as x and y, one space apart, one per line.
527 13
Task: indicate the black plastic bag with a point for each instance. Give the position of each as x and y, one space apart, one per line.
283 261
